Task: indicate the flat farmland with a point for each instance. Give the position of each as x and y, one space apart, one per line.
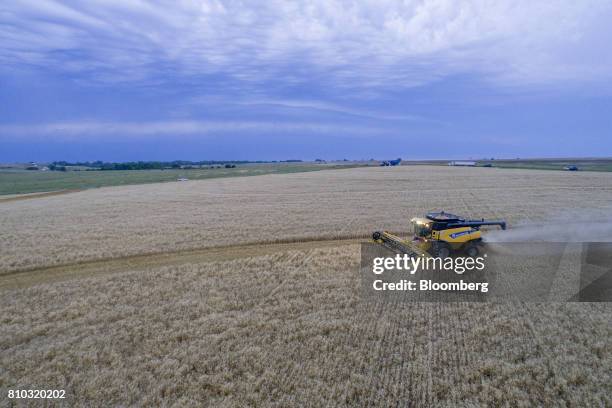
156 218
245 291
14 181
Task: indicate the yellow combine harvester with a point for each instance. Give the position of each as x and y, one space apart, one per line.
439 234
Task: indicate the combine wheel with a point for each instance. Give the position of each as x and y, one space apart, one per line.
376 236
441 250
471 250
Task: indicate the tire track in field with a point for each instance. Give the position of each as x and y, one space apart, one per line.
293 243
48 274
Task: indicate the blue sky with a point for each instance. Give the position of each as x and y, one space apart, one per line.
197 80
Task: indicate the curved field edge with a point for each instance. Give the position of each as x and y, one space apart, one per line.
96 267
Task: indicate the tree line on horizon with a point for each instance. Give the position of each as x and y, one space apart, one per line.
155 165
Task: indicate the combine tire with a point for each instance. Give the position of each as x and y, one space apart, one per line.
441 250
472 251
376 236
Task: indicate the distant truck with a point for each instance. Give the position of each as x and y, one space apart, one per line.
462 163
570 168
391 162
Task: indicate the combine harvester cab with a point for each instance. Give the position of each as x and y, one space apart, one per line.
439 234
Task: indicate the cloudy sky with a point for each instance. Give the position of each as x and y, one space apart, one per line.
225 79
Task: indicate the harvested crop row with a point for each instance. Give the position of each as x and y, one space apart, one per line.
292 328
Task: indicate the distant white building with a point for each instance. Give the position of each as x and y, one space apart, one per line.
462 163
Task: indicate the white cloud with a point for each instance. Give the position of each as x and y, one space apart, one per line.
321 106
78 130
369 43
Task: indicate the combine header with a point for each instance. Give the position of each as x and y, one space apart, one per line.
439 234
397 244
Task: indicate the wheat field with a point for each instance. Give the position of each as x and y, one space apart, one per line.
284 327
120 221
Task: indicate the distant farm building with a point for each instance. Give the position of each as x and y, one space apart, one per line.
462 163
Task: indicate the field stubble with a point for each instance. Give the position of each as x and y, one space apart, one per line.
274 330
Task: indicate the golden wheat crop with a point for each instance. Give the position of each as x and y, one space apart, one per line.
291 329
285 327
120 221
